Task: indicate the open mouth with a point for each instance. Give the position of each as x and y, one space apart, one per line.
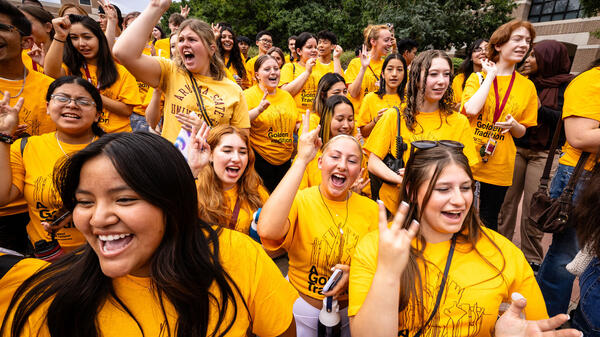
114 243
338 180
232 170
452 215
70 115
188 56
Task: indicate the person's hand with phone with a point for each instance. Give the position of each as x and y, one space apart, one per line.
58 223
341 285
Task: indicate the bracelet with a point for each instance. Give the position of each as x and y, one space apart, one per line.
61 41
6 138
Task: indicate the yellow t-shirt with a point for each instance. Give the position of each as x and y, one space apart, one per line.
372 104
223 100
305 97
245 215
33 113
124 90
246 81
30 64
370 80
429 126
522 105
268 295
582 99
473 291
457 88
315 242
163 48
32 175
272 132
14 278
250 69
320 69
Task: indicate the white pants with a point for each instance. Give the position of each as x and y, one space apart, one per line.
307 319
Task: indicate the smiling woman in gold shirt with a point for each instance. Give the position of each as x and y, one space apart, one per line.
149 266
26 170
274 120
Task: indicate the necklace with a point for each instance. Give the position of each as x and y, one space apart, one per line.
22 85
61 148
333 220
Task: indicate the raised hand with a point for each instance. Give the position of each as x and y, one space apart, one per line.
365 58
309 142
360 183
109 11
216 28
512 324
185 10
62 27
379 115
394 241
199 151
338 51
489 67
264 103
9 115
37 53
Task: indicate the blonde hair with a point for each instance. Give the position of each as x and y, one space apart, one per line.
372 32
334 139
217 68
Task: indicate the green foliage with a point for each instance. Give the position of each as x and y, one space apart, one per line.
456 62
346 57
590 7
437 24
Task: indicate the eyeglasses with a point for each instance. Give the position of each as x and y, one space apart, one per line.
269 42
429 144
10 28
478 50
81 102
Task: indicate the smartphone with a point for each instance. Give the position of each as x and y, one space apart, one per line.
60 219
333 280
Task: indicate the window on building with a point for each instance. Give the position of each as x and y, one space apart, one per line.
553 10
85 2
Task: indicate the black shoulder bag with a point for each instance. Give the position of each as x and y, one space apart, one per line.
552 215
394 163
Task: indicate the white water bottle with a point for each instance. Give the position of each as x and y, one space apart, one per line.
330 322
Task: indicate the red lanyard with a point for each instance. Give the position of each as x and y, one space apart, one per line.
500 108
89 78
34 65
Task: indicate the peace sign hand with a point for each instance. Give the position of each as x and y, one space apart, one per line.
264 104
216 29
185 10
309 142
394 242
9 115
365 58
199 151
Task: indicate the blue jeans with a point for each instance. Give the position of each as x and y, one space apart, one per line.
586 318
555 281
138 122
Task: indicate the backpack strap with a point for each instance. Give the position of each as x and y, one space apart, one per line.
23 143
400 146
545 179
7 262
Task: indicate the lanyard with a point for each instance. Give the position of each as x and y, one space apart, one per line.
199 100
88 77
442 286
500 108
235 214
34 65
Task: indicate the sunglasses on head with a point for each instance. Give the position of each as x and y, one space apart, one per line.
10 28
429 144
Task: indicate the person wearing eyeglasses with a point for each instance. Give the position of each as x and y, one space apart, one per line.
472 64
264 41
26 166
427 115
436 270
17 82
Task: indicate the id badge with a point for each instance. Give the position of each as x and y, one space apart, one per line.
488 149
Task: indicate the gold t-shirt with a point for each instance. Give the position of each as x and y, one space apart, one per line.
272 132
223 100
305 97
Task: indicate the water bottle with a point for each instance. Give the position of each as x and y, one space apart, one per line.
330 322
253 231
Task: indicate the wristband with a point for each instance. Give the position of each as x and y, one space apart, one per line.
61 41
6 138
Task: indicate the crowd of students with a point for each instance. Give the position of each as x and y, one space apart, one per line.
159 181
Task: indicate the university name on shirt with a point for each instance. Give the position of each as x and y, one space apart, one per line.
217 109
